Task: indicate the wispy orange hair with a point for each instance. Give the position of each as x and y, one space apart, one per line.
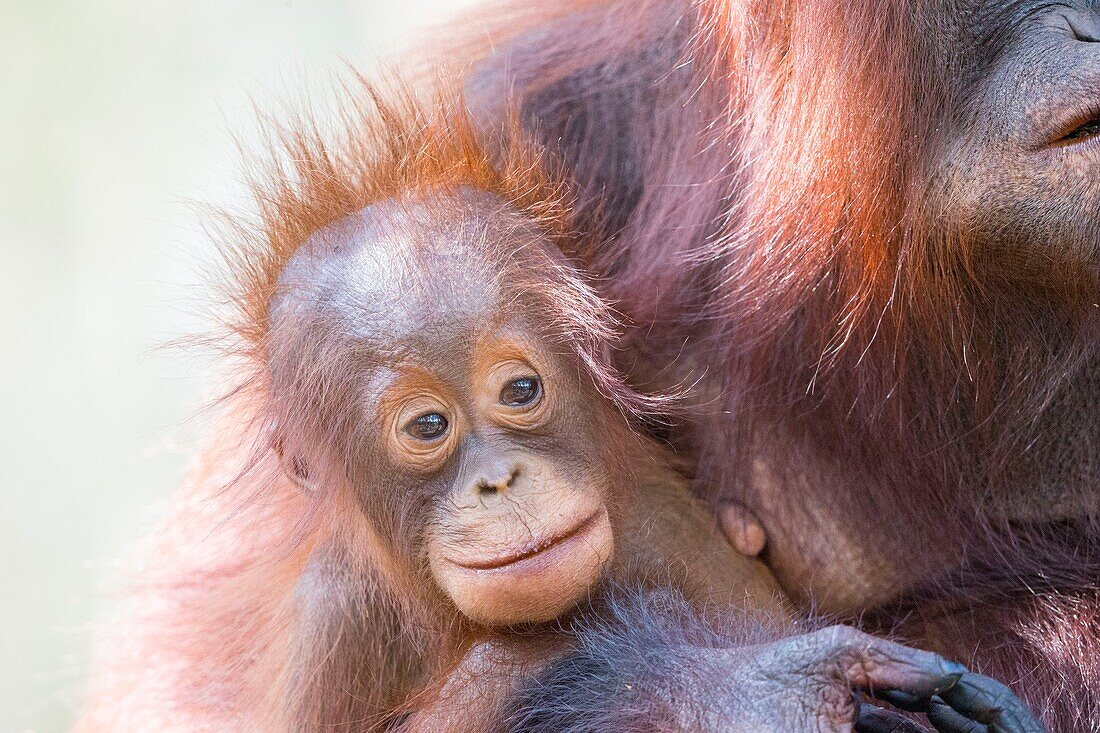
387 145
391 141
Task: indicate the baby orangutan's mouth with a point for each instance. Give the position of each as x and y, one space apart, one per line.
541 548
517 580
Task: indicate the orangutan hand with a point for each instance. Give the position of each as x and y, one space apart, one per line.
809 684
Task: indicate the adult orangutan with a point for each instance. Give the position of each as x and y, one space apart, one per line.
869 230
448 501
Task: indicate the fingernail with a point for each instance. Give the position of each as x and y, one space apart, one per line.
950 679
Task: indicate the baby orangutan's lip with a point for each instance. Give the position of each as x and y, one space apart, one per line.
538 548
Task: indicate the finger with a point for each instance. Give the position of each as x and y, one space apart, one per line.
876 720
877 664
947 720
940 714
988 701
902 700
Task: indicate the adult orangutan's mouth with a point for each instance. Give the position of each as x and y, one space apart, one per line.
542 549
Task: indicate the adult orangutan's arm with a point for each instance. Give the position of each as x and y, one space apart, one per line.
653 665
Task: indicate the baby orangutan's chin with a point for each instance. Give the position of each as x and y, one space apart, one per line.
533 580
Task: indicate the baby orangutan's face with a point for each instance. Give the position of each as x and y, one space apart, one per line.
521 531
474 448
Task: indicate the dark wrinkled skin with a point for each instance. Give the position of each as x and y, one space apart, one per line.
1020 173
817 696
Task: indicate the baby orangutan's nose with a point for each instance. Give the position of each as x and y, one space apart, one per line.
496 480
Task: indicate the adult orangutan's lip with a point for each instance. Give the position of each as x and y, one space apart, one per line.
538 548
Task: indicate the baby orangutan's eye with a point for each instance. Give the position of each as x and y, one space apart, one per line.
522 391
427 427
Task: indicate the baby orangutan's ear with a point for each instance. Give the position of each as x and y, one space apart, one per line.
294 466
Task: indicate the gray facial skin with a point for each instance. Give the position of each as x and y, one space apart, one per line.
1025 178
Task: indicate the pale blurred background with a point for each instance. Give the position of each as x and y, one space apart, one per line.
115 116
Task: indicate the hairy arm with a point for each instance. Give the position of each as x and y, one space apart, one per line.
648 662
357 652
197 636
473 695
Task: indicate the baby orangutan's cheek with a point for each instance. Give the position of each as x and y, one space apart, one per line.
511 578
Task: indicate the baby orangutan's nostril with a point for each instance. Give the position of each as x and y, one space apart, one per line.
486 486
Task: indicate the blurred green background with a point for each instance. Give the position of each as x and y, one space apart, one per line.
115 116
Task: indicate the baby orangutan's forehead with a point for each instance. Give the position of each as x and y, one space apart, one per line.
396 274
